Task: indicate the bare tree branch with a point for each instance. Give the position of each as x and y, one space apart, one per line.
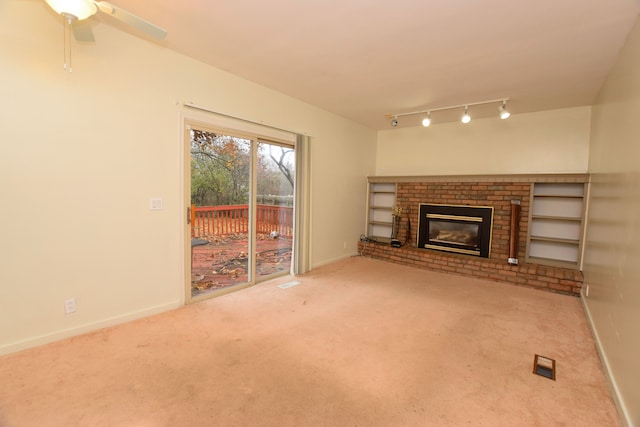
281 164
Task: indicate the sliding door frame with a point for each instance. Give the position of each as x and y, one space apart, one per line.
300 250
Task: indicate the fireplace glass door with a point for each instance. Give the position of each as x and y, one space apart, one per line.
460 229
453 232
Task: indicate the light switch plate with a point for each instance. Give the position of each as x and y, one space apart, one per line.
156 204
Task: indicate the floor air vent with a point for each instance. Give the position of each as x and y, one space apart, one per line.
289 284
544 366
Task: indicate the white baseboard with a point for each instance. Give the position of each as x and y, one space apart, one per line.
615 391
325 262
83 329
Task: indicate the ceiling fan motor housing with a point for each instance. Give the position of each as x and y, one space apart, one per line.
79 9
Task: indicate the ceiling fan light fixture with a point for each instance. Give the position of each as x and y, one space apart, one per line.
79 9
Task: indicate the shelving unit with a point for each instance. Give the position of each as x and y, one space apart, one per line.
556 224
382 198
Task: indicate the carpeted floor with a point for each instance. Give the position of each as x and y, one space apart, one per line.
359 342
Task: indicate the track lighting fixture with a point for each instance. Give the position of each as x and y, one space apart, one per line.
466 118
504 113
427 120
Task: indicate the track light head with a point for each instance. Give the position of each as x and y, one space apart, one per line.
394 122
427 120
466 118
504 113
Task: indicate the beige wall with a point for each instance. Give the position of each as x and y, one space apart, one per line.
612 264
554 141
81 154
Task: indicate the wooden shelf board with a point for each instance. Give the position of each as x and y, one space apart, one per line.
558 218
555 240
381 223
560 196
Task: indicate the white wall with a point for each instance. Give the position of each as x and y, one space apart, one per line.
612 267
555 141
81 154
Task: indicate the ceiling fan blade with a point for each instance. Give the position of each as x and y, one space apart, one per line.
132 20
82 31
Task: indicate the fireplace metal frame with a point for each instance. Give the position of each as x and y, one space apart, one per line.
462 213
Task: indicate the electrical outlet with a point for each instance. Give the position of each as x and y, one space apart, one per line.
344 245
70 305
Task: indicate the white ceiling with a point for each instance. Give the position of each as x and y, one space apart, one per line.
364 59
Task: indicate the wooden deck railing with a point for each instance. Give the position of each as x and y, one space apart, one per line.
209 221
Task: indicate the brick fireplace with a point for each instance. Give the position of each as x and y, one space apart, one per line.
494 192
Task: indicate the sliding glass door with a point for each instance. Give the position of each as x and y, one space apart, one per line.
240 210
274 208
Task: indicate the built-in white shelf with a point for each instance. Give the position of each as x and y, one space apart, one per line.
382 198
556 224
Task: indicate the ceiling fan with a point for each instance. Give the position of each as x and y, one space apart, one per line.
78 10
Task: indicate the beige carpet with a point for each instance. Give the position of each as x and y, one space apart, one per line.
360 342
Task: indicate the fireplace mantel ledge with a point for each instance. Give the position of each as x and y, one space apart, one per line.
560 177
